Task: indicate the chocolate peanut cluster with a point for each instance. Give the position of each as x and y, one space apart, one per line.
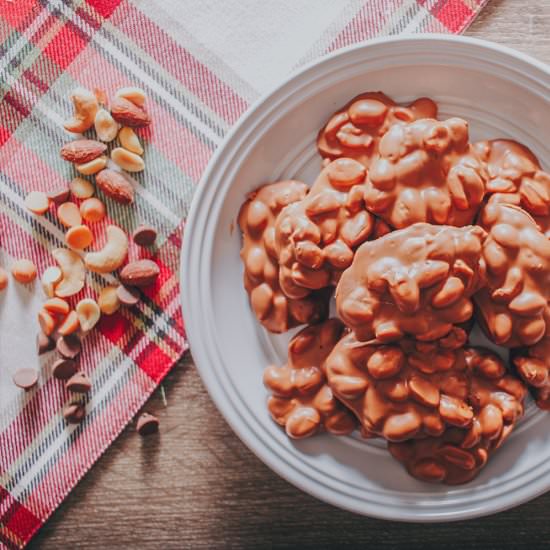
419 234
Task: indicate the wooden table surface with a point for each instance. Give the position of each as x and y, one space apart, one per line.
195 485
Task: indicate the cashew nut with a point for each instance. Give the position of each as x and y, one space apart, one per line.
85 108
88 313
112 255
73 272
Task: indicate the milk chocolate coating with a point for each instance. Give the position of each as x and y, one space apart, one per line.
272 307
316 236
516 257
355 130
302 401
416 281
533 366
426 171
515 177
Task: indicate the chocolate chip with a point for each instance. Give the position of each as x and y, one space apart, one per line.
128 296
63 368
144 235
60 195
44 343
69 346
147 424
25 378
79 383
74 412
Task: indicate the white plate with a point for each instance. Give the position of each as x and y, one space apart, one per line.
501 93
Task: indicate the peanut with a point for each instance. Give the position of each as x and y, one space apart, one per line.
92 210
88 313
46 321
81 188
130 141
69 214
57 306
69 325
79 237
105 126
92 167
127 160
37 202
108 300
133 94
23 271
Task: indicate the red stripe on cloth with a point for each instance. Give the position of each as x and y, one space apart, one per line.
66 45
114 327
19 522
173 57
105 8
189 153
33 78
454 14
5 134
18 14
152 360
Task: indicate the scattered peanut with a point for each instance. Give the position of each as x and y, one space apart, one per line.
3 278
46 321
73 272
51 276
112 255
37 202
23 271
79 237
69 325
85 108
127 160
92 167
88 313
57 306
81 188
133 94
105 126
130 141
108 300
92 210
69 214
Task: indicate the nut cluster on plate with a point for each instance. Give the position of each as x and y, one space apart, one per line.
418 233
67 314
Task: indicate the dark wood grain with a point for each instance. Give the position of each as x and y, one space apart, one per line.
195 485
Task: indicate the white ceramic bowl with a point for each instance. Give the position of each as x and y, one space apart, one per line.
501 93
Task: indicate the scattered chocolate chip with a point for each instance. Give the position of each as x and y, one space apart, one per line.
25 378
60 195
44 343
63 368
69 346
79 383
144 235
147 424
74 412
128 296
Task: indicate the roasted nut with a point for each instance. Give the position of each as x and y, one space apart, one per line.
355 130
257 216
63 368
92 210
105 126
68 346
69 214
516 257
81 188
85 108
112 255
147 424
69 325
56 306
79 237
127 160
3 278
51 276
92 167
73 272
108 300
416 281
88 313
115 186
37 202
129 114
79 383
144 235
139 273
82 151
74 412
46 321
301 400
130 141
59 196
23 271
133 94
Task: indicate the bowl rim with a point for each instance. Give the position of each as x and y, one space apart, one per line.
201 359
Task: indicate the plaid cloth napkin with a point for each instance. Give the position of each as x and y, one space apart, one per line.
201 63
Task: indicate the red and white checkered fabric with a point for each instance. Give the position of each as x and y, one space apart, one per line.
199 79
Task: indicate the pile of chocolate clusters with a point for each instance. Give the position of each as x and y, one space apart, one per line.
420 233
